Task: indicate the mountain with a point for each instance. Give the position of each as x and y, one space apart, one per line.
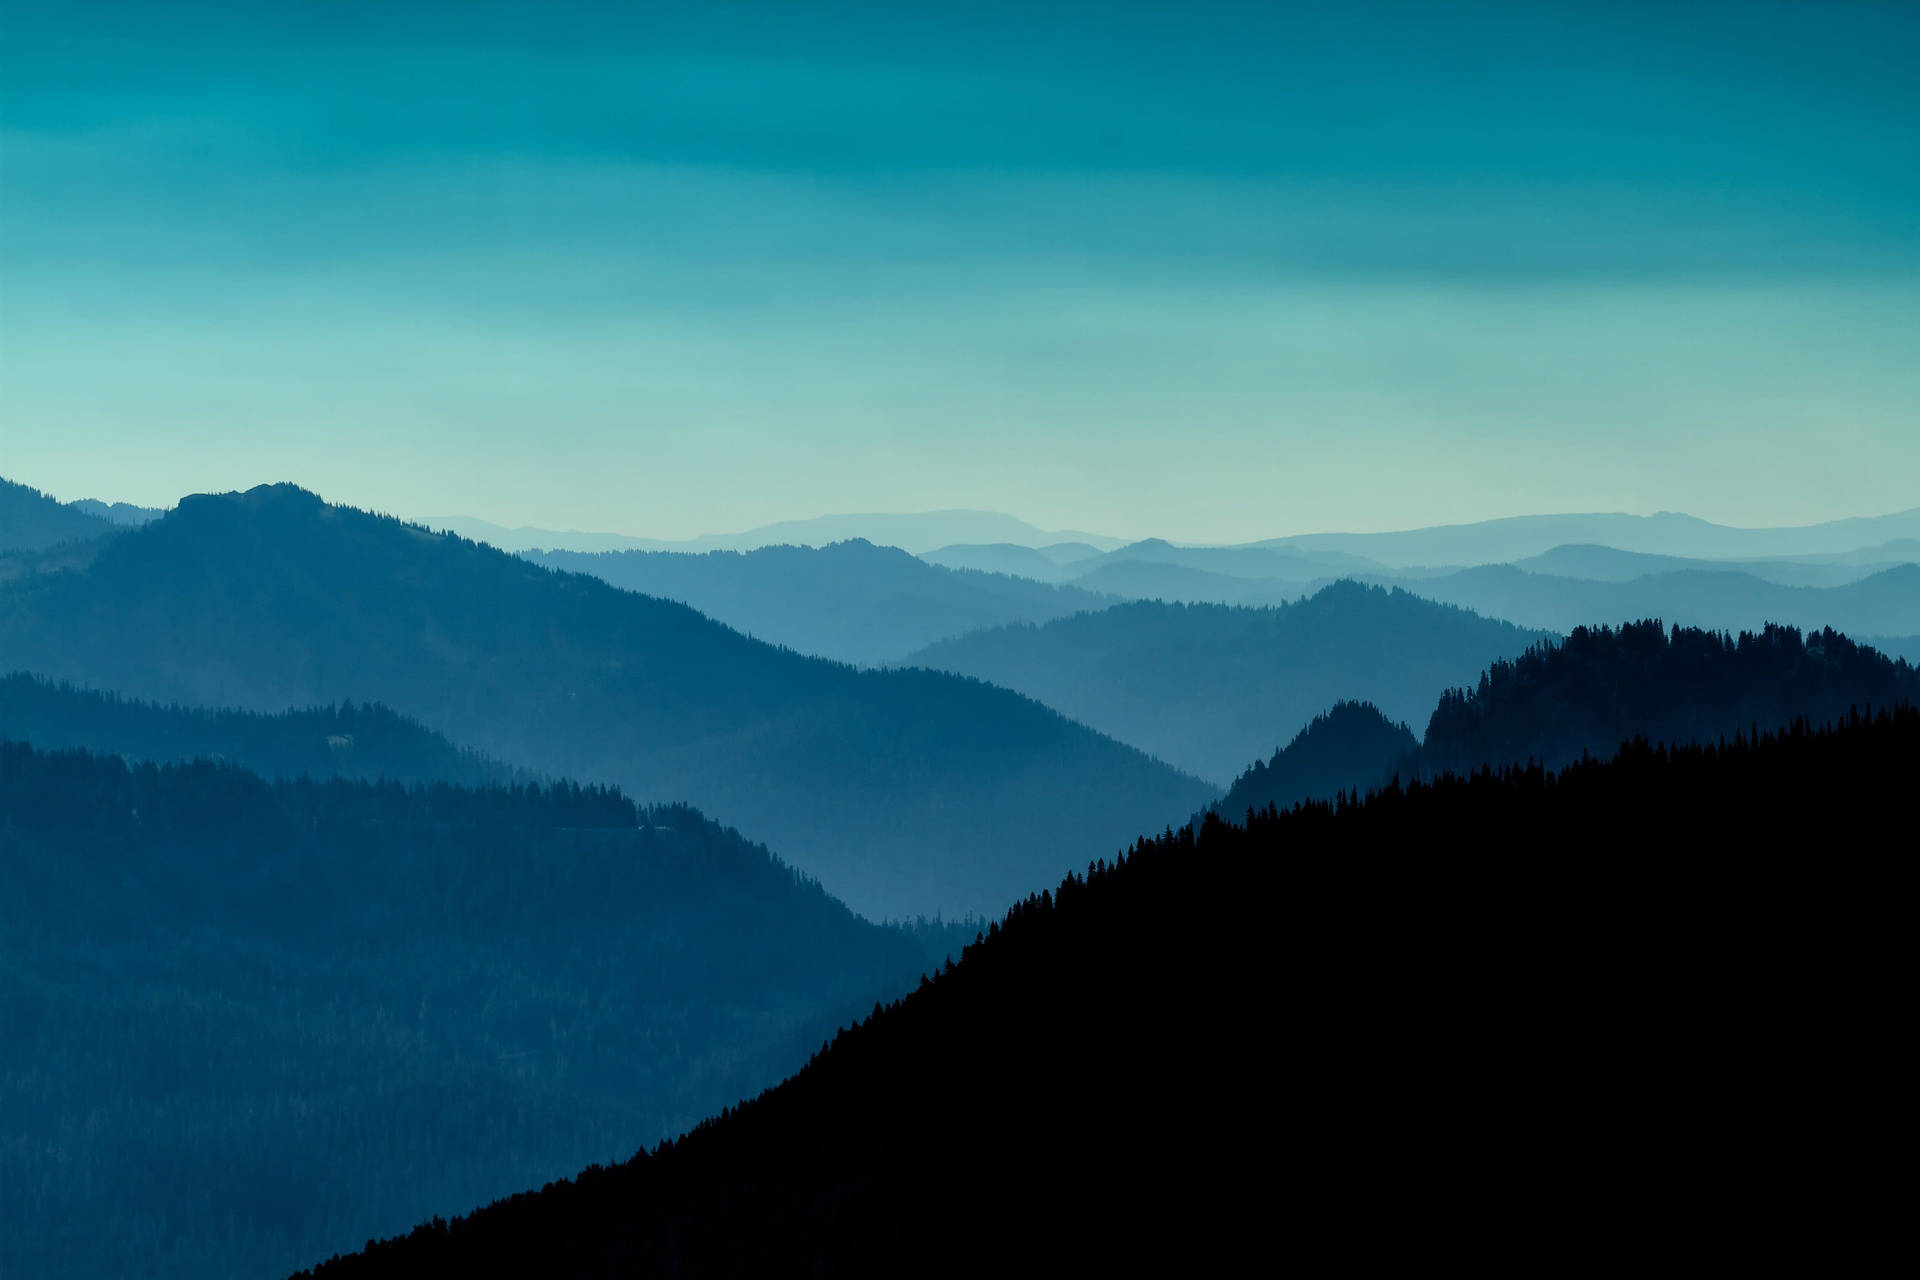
368 742
1630 1010
1350 747
850 601
913 531
1903 647
1600 686
1209 687
1052 563
249 1024
1666 533
906 792
1289 564
1184 584
124 513
1605 564
31 521
1882 603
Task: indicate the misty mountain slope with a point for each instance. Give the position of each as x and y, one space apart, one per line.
117 512
914 531
1347 748
851 601
368 741
1286 563
1666 533
31 521
1184 584
905 792
1210 688
1904 647
246 1025
1477 1019
1883 603
1606 564
1600 686
1053 563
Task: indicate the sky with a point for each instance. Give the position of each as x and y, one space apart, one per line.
1211 272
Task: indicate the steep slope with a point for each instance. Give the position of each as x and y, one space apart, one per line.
1350 747
249 1024
349 741
1600 686
905 792
1882 603
1639 1007
1209 687
851 601
31 521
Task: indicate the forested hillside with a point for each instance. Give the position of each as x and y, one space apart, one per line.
1634 1007
365 741
905 792
1601 685
1209 688
851 601
31 521
247 1024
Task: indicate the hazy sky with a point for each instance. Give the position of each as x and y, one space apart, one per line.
1204 271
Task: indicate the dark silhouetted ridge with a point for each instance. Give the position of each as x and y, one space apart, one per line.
1636 1006
1349 747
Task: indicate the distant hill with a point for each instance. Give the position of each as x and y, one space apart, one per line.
1350 747
1667 533
1184 584
905 792
1605 564
851 601
368 741
1904 647
251 1024
31 521
1600 686
1043 564
1480 1019
1210 688
912 531
1882 603
118 512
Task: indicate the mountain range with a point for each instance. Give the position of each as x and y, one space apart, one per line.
851 601
913 531
906 792
1210 688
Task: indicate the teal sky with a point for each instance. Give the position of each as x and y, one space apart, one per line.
1206 271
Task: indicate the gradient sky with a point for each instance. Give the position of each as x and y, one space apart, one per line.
1204 271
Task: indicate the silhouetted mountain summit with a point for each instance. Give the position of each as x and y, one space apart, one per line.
852 601
1602 685
906 792
1349 747
1209 687
1632 1008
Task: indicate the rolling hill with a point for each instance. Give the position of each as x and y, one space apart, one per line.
1209 688
851 601
367 741
1630 1009
906 792
31 521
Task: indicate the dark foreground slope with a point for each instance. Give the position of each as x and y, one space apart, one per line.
1209 687
367 741
905 792
243 1025
851 601
1505 1022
